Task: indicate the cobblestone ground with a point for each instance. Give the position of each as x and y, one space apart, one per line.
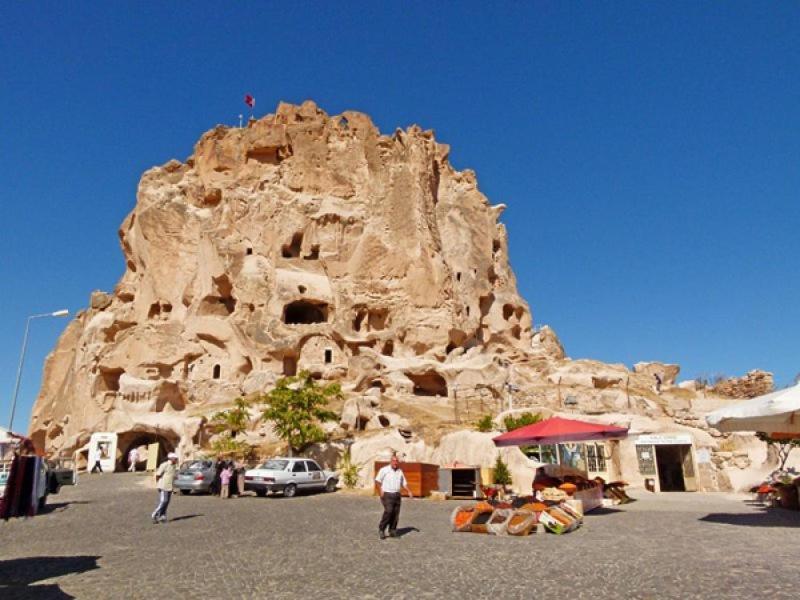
96 541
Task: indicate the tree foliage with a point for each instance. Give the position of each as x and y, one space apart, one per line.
232 421
783 446
513 422
297 406
225 445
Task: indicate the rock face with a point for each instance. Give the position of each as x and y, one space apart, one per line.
755 383
301 241
313 242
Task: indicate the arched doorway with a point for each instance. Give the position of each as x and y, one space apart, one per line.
167 442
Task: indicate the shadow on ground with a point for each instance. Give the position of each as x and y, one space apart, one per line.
17 575
184 517
59 506
767 517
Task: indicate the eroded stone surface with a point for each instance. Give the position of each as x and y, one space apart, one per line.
309 241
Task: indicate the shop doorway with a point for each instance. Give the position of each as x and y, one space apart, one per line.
675 468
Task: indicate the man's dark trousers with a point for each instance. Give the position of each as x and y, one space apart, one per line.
391 511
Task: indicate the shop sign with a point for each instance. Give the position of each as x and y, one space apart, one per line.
664 439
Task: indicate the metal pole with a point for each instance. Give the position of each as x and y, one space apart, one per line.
58 313
19 374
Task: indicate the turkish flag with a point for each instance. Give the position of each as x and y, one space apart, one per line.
249 100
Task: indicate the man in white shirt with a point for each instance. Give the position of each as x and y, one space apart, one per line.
392 481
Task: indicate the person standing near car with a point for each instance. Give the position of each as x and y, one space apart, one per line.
392 482
225 481
165 476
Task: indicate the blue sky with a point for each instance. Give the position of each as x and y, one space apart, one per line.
649 153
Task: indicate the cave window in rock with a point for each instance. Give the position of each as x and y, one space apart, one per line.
313 253
109 379
508 310
496 246
216 372
388 348
467 311
289 366
384 420
249 252
305 312
429 383
516 331
292 249
458 276
485 304
328 356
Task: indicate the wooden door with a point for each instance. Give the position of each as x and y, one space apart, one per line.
687 460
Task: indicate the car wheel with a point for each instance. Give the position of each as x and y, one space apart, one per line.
185 492
261 493
290 490
330 485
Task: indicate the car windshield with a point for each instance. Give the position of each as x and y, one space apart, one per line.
275 465
191 465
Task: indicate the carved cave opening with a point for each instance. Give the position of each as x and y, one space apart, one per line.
109 379
292 249
126 441
305 312
429 383
289 365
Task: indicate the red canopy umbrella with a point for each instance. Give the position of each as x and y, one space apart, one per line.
556 430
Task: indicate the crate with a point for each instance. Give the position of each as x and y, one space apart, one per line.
422 478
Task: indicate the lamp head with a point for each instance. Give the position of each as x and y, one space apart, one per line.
60 313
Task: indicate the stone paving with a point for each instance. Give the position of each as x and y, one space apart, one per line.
97 541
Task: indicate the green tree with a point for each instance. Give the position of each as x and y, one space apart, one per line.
513 422
502 476
485 424
297 406
225 445
783 446
232 421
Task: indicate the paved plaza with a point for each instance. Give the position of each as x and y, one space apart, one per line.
96 541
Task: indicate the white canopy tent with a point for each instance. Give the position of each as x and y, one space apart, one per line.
778 412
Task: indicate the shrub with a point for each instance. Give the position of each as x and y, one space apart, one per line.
349 470
502 476
513 422
485 424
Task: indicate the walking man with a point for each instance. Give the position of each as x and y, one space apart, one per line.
133 458
392 481
165 476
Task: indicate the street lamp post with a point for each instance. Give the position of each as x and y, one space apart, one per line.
58 313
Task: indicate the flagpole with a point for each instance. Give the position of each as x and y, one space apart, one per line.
240 121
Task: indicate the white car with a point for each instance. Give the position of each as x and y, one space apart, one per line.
289 475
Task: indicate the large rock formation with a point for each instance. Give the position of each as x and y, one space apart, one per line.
301 241
310 242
